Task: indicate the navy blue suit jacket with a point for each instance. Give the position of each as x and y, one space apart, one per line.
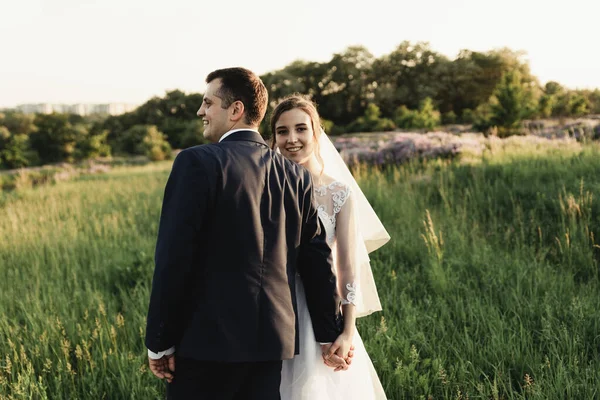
238 223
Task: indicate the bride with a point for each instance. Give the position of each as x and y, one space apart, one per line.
353 230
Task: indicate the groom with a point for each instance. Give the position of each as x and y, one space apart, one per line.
237 224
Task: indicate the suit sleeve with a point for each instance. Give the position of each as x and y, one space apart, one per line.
315 268
184 208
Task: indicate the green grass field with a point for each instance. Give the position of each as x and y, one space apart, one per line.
490 284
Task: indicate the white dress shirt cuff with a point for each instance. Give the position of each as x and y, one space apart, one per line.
160 354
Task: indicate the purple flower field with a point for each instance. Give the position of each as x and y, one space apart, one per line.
392 148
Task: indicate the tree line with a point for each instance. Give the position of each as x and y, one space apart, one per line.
413 87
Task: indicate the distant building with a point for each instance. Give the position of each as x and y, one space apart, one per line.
80 109
42 108
112 108
60 108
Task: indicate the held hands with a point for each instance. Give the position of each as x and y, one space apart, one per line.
164 367
339 354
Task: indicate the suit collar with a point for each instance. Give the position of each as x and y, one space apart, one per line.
245 135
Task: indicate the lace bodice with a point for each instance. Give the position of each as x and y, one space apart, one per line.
331 199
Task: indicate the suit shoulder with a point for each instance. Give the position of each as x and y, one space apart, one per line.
293 169
203 153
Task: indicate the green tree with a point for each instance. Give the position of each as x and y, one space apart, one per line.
458 83
467 116
14 150
482 117
144 140
332 129
572 103
346 86
175 129
511 103
341 87
578 105
129 141
427 117
170 114
472 77
154 145
56 138
408 75
297 77
93 145
405 118
193 134
546 105
18 123
594 98
449 118
553 88
371 121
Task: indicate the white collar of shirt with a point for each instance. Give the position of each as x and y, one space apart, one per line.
234 131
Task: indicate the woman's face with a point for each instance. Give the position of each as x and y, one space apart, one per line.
294 135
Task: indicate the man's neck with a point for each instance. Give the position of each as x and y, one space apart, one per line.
237 126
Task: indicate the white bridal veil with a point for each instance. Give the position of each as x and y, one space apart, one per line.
369 233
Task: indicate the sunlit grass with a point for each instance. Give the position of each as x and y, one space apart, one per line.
489 286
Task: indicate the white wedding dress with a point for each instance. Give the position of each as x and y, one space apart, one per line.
306 377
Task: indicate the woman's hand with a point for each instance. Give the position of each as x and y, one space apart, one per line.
341 349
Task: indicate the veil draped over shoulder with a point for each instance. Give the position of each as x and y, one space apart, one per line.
369 233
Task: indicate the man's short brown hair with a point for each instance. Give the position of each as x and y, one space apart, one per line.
241 84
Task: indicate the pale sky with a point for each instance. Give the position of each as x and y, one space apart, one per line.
94 51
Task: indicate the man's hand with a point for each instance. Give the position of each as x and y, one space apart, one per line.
164 367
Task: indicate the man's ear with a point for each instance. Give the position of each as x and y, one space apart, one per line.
236 111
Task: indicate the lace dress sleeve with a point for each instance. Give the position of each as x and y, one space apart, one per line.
345 243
